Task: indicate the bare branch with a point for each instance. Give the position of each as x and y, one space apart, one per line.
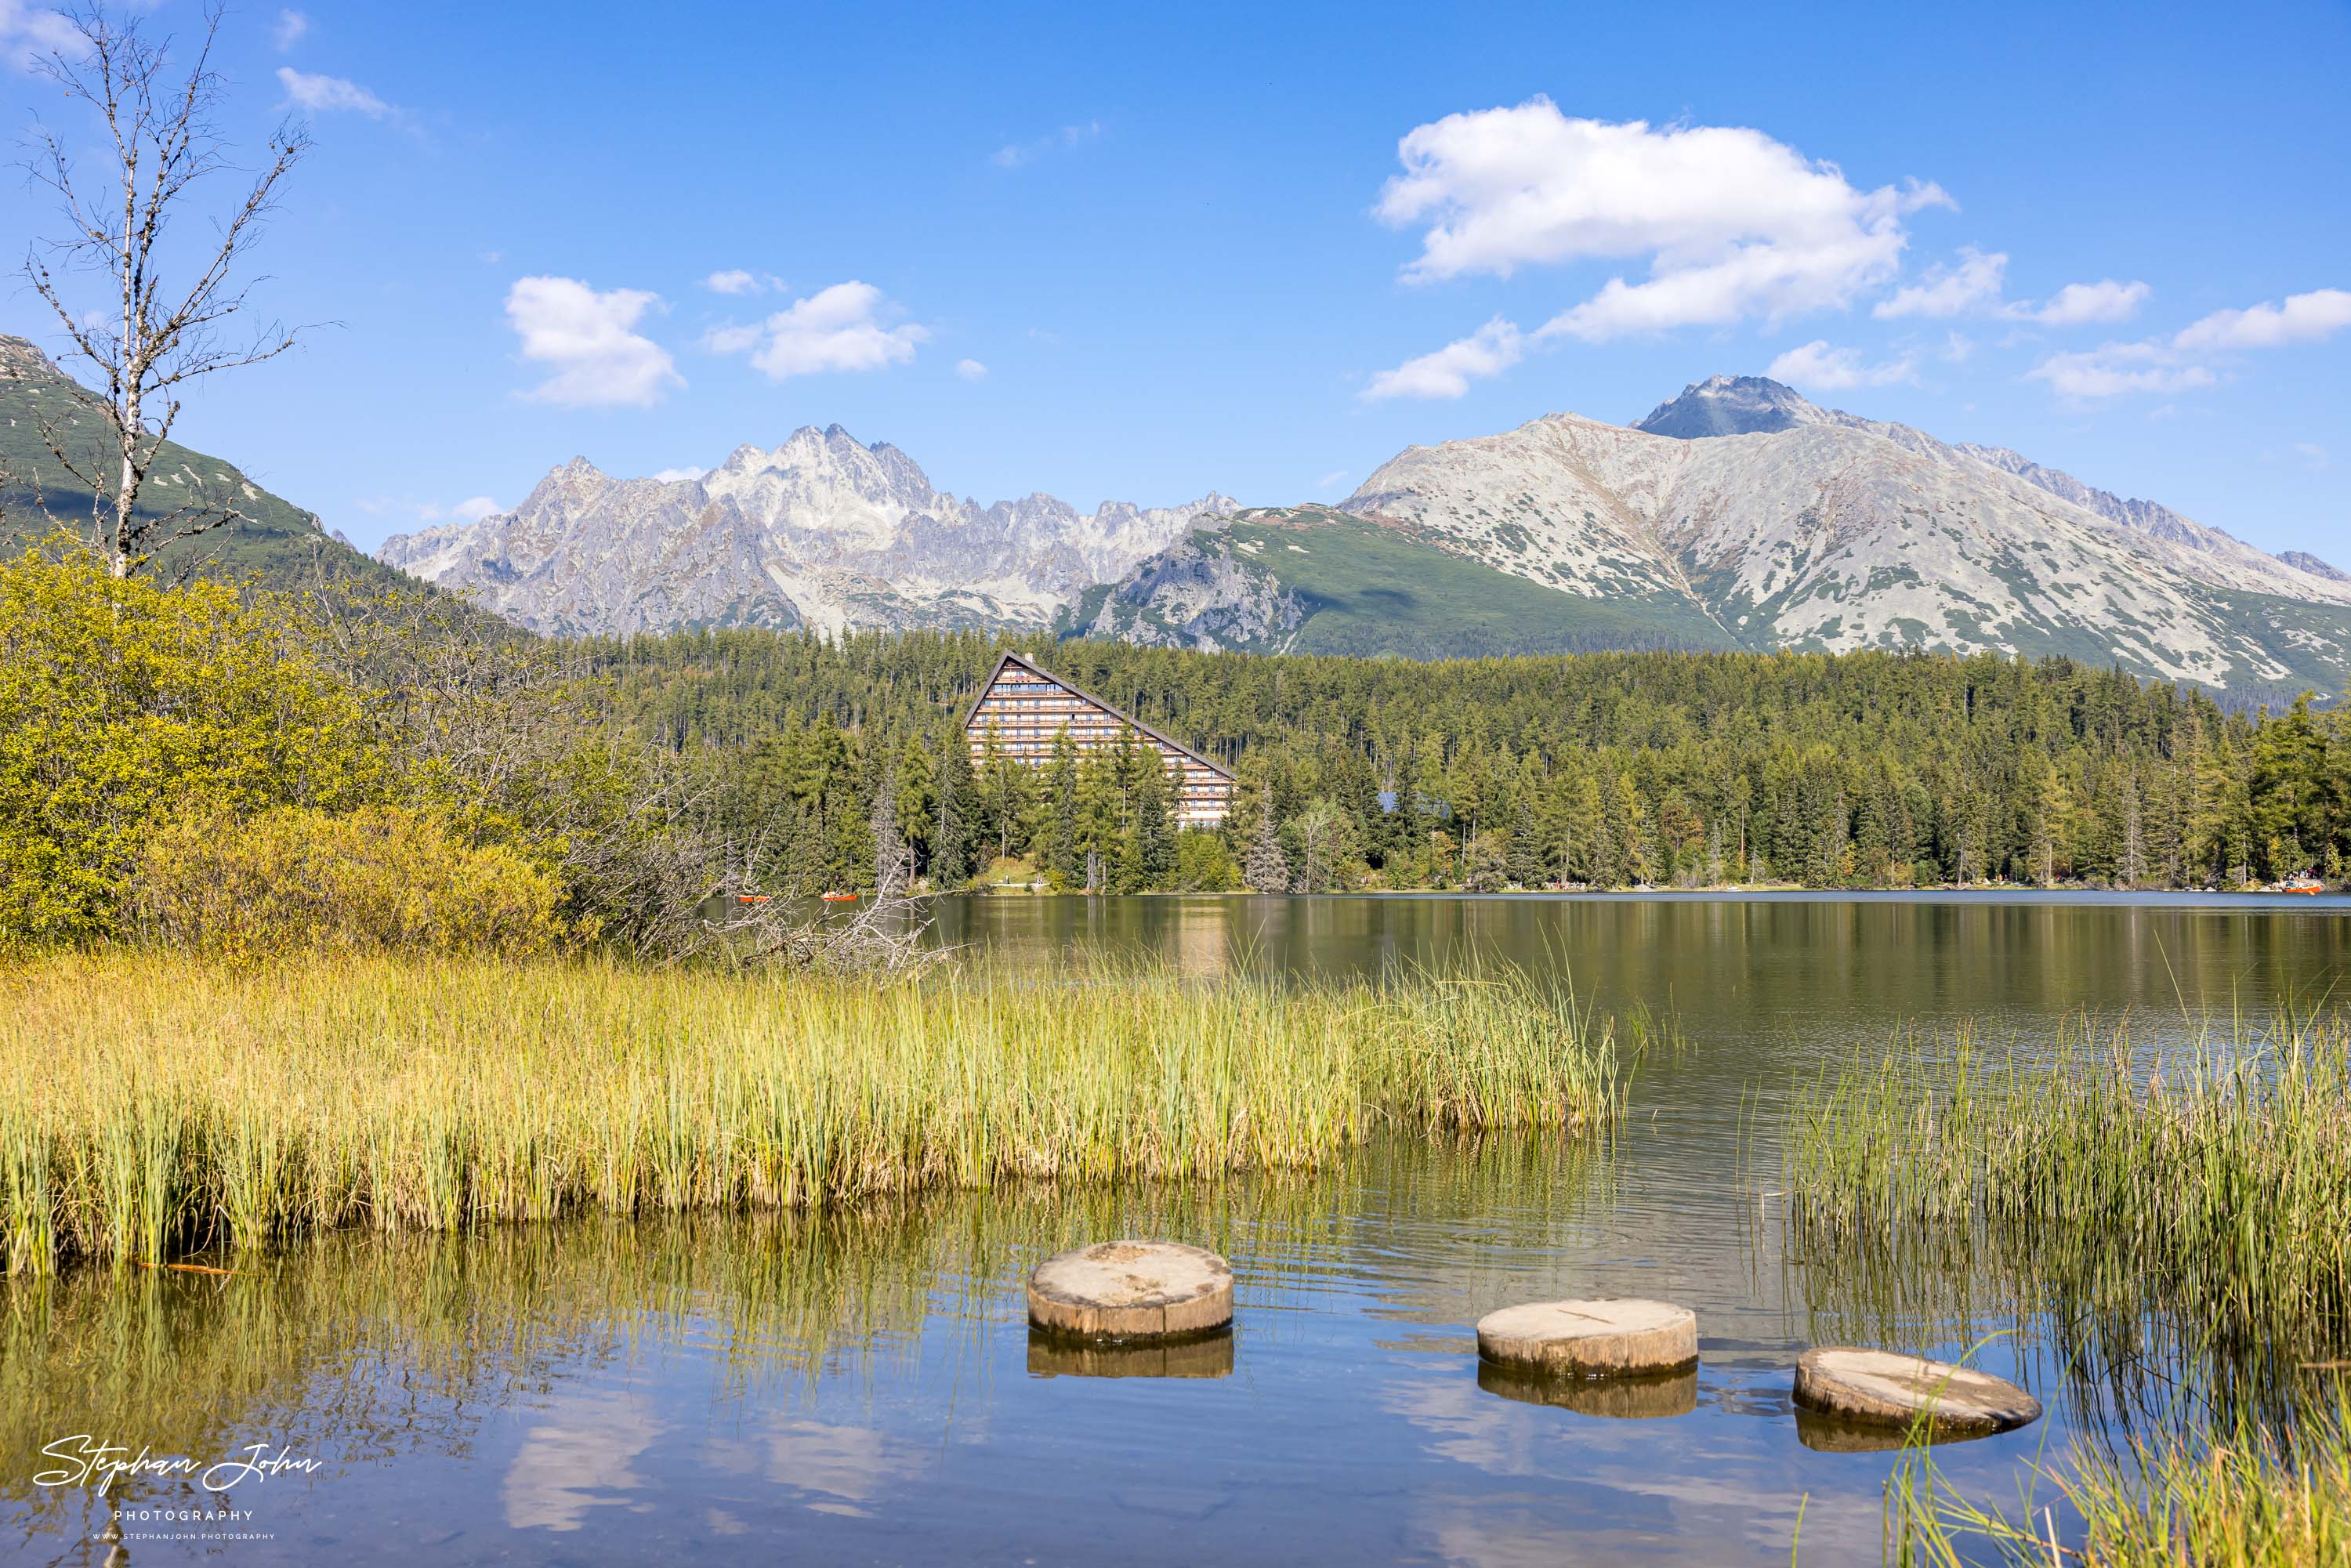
164 142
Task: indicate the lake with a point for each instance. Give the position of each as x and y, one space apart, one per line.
863 1389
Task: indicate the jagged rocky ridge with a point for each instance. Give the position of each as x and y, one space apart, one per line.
1739 515
1756 406
822 531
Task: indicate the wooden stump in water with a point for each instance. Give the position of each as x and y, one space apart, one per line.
1612 1337
1132 1289
1878 1387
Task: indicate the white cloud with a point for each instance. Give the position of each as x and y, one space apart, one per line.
1959 349
32 32
734 280
2314 455
288 30
1819 366
1019 154
1489 351
2105 301
2303 318
836 328
971 370
328 94
1331 481
2166 365
671 475
1733 222
589 337
1946 291
2115 369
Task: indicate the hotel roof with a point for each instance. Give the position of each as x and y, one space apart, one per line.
1075 690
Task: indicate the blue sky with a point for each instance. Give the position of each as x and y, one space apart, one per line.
1144 254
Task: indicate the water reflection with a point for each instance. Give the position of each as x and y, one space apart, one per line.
1616 1398
865 1386
1203 1356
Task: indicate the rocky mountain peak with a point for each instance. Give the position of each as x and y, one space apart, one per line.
2303 560
822 530
1733 405
21 357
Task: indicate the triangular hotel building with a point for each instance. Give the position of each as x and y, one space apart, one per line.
1027 708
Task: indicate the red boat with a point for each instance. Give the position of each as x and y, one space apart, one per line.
2309 884
839 898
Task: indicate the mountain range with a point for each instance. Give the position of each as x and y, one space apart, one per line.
1738 515
819 532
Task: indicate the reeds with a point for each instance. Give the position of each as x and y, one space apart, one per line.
2209 1180
2239 1498
159 1106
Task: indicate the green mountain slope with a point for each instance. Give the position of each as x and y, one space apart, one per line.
284 544
1311 581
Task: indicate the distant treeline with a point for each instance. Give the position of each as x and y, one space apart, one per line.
1608 770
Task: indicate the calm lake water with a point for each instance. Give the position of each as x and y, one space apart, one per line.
863 1389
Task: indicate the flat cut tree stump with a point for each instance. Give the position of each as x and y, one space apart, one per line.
1611 1337
1132 1289
1880 1388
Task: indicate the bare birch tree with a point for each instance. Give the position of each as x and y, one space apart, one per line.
152 339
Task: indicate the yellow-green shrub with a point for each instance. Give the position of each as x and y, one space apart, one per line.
122 702
378 879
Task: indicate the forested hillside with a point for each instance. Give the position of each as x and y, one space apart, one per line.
270 538
1610 769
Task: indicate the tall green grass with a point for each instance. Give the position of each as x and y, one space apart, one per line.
391 1343
159 1106
2211 1180
2240 1498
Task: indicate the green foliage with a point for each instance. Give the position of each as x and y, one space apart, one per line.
381 879
514 738
122 704
274 540
1609 769
2214 1177
512 1091
2224 1495
1203 864
1367 589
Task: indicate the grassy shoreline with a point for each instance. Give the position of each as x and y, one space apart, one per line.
162 1105
2213 1178
2203 1188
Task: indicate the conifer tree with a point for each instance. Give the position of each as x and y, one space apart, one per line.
1266 868
1153 833
1060 853
955 819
